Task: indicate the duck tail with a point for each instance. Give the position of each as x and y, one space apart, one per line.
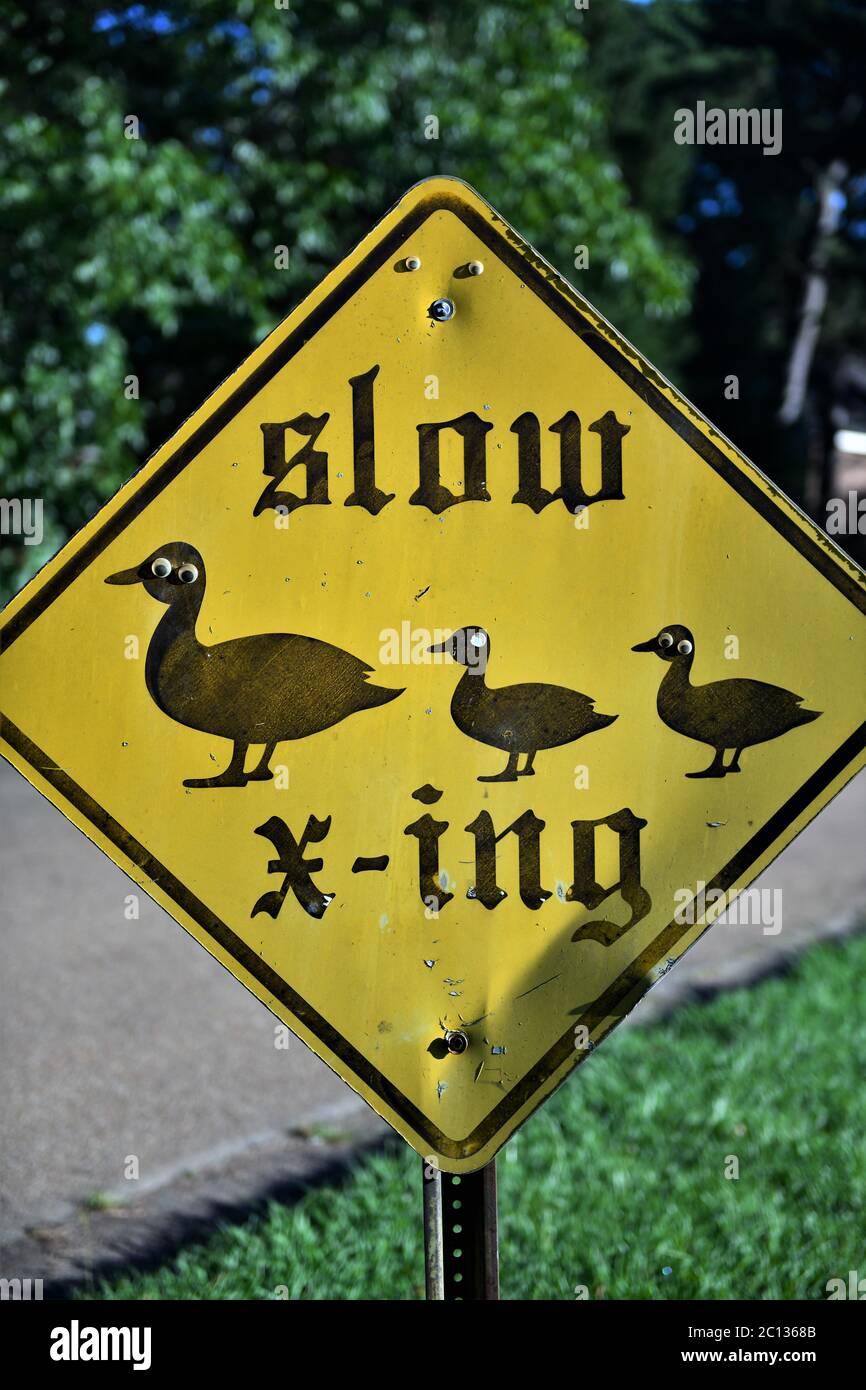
602 720
805 716
379 695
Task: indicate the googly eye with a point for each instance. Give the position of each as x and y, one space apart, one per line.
665 640
477 639
684 647
161 567
187 574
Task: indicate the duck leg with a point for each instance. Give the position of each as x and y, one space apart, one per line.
508 774
261 772
734 764
234 775
528 770
716 768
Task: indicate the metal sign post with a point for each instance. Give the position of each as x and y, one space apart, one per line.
461 1234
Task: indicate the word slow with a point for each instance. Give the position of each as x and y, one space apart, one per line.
471 429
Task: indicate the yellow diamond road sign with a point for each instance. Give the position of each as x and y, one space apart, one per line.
443 675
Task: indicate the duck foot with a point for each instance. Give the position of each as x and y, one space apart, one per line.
716 768
528 770
508 774
233 776
260 774
225 779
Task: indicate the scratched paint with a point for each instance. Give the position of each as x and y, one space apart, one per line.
486 835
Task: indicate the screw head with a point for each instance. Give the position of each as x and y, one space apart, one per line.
475 267
412 263
456 1042
441 310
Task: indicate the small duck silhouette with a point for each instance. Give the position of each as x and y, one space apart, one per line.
725 714
517 718
253 690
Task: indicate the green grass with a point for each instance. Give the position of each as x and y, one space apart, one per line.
100 1201
622 1173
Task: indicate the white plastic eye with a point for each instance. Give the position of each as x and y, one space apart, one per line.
477 639
161 567
475 268
412 263
684 647
187 574
665 640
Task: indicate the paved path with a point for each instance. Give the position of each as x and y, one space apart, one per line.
124 1038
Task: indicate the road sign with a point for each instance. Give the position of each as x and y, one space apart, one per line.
443 675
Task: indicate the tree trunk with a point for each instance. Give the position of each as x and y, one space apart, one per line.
828 186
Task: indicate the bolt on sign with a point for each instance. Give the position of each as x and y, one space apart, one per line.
444 675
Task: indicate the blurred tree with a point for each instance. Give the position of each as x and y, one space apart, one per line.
754 222
152 258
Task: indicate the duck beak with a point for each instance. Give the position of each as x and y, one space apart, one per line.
649 646
440 647
125 577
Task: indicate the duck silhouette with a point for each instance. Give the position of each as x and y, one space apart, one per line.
517 718
725 714
252 690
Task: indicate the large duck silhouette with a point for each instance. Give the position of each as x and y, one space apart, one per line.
516 718
253 690
728 714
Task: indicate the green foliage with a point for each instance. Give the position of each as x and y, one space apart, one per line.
154 257
622 1173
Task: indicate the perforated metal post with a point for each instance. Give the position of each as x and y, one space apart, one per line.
461 1237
